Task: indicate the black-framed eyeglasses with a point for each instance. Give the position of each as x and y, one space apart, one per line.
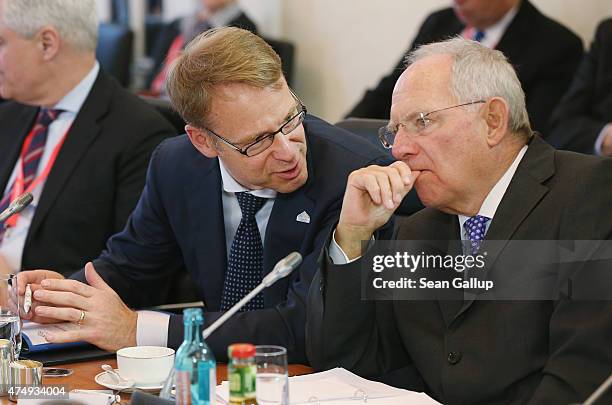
416 125
263 142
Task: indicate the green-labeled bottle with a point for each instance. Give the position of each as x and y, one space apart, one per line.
195 366
241 374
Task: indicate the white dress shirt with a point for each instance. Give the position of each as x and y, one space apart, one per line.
488 209
152 327
11 247
494 33
600 139
493 199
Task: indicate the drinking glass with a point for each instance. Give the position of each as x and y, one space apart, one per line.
10 325
272 381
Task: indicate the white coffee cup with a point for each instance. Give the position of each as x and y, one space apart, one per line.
146 365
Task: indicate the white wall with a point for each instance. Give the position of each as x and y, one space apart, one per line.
345 46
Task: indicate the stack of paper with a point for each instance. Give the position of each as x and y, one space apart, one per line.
339 387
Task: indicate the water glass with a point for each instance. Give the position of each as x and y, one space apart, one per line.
10 325
272 381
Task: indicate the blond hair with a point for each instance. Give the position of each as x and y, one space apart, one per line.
219 56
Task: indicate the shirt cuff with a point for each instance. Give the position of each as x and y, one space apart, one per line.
600 139
337 255
152 328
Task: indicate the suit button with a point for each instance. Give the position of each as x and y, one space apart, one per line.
454 358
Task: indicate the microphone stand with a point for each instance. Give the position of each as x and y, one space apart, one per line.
282 269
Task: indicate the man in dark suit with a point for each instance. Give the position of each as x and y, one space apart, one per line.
582 121
250 150
484 177
86 168
544 53
174 36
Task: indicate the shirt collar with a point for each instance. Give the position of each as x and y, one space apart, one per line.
494 33
230 185
73 101
493 199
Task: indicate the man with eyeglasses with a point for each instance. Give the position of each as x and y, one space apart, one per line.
492 189
254 179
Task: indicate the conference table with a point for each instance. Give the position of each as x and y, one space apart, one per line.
84 373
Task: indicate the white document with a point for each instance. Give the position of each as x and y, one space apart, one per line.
338 387
36 331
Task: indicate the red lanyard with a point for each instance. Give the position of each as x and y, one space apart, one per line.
18 186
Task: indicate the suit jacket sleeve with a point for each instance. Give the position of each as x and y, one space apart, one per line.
145 253
574 123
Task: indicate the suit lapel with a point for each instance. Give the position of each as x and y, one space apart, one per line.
81 135
524 193
205 210
11 142
517 34
285 233
449 300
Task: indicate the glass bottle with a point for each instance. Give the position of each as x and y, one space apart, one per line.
194 366
241 374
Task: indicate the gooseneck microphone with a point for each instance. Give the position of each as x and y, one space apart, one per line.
16 206
282 269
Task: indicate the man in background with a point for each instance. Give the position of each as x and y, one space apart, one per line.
582 121
254 179
544 53
176 35
70 135
486 180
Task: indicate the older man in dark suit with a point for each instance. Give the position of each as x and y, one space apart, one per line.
544 53
70 136
254 179
582 121
469 151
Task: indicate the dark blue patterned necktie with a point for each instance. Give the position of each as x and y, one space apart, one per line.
32 156
476 228
245 263
478 35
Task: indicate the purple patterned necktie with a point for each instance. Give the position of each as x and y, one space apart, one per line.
31 156
245 263
476 228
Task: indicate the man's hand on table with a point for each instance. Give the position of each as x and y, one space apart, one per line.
103 319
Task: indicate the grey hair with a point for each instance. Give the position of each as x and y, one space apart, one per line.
75 20
479 73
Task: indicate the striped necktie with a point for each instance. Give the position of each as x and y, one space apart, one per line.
245 264
31 156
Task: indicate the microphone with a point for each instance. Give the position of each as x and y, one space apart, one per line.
282 269
16 206
595 396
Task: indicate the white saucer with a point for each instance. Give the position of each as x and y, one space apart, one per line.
106 380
